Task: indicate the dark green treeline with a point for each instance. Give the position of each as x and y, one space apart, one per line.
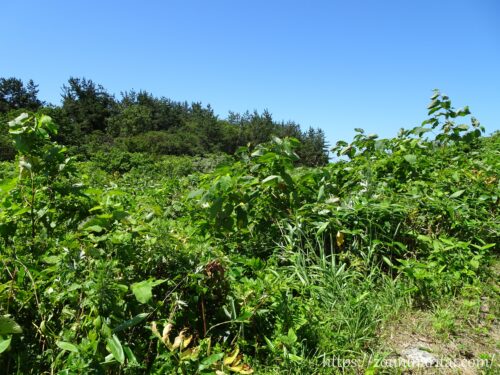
91 120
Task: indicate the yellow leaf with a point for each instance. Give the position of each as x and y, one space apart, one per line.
166 331
179 339
232 357
238 360
340 238
186 341
242 369
190 353
246 370
154 328
177 342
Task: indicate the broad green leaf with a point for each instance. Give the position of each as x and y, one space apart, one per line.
420 130
464 111
67 346
412 159
47 123
291 335
115 347
224 183
143 290
457 194
388 261
4 344
433 104
462 127
196 193
322 227
130 355
8 185
267 157
131 322
51 259
270 179
8 325
474 263
270 344
94 228
295 357
244 317
209 361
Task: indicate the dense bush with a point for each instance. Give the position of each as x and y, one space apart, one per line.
133 263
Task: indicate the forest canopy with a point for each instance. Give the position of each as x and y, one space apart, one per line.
92 120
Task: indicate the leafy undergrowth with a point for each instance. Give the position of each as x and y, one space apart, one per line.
252 264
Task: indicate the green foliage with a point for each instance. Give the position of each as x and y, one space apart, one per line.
14 94
137 263
86 106
7 150
143 290
239 198
91 120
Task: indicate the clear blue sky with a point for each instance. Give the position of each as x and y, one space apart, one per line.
329 64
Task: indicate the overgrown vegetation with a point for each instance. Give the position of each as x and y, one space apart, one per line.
135 263
92 122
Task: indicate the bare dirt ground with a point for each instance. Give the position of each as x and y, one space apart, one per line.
461 336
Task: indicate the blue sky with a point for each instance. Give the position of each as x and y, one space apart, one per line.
336 65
